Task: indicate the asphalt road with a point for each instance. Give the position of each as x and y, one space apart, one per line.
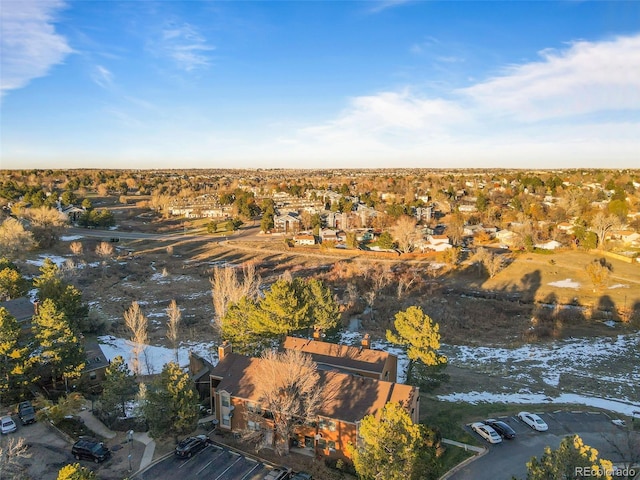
509 458
128 235
211 463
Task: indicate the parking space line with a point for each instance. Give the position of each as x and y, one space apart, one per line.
219 452
192 457
229 467
250 471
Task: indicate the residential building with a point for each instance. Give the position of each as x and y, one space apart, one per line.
23 311
362 360
351 390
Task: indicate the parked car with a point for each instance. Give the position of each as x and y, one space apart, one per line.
503 429
534 421
190 445
486 432
302 476
90 450
8 425
26 413
277 474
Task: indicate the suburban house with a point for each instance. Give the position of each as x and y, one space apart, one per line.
22 310
96 364
288 223
352 389
304 239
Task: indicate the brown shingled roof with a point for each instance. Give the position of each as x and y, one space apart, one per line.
341 356
347 397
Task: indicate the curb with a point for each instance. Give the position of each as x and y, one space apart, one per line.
464 463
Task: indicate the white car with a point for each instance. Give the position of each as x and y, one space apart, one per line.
486 432
8 425
534 421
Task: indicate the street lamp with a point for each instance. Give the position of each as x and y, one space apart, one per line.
130 440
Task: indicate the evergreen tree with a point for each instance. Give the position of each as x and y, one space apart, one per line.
12 283
238 327
66 297
392 447
564 462
324 312
13 357
283 308
75 472
171 405
57 345
420 334
119 386
385 241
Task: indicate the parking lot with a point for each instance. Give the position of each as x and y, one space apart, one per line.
507 459
212 463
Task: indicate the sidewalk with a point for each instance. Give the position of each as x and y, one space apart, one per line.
101 429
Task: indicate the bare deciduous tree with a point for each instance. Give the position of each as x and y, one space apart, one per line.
226 287
173 324
12 452
76 248
14 239
602 224
46 224
598 271
137 324
404 232
104 249
491 262
290 389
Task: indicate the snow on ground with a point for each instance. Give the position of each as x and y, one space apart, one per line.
154 356
70 238
58 260
566 283
618 285
549 361
537 398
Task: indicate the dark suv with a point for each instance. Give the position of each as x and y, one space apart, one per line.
26 413
90 450
190 445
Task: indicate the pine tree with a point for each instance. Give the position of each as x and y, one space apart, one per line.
284 308
391 446
324 312
564 462
119 386
420 334
67 298
58 346
13 357
75 472
171 405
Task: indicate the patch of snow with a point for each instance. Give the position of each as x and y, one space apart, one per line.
58 260
618 285
566 283
524 397
154 357
70 238
610 323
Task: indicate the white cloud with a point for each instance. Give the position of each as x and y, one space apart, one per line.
587 77
186 46
572 106
102 76
30 44
380 5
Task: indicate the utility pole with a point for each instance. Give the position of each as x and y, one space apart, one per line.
130 440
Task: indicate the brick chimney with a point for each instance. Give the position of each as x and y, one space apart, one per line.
224 349
366 341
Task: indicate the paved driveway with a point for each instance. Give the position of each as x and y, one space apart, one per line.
509 458
212 463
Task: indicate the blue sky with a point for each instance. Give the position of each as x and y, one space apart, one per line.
165 84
